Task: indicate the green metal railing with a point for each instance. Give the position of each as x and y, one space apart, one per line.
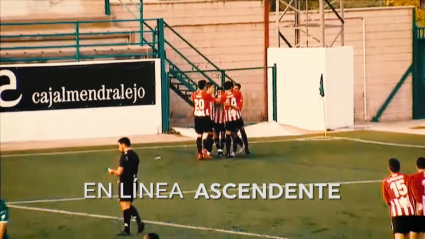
78 35
108 8
137 12
418 72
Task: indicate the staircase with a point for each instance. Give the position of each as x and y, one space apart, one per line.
183 82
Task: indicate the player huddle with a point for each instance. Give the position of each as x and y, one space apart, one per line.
405 196
219 115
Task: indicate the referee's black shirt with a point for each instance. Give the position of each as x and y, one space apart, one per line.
130 163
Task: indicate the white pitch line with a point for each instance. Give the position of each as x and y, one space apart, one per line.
183 192
315 138
156 147
149 222
382 143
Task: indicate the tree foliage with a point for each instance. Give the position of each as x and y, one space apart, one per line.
420 12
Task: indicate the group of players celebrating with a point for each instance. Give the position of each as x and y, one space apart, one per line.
405 196
218 114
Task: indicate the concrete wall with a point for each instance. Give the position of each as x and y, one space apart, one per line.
231 34
388 54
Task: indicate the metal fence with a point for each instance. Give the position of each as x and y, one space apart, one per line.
419 73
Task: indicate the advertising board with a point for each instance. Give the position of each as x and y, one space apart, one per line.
98 95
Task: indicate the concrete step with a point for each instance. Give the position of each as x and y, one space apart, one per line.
108 52
54 18
39 34
51 43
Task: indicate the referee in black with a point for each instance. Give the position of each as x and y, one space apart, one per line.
127 171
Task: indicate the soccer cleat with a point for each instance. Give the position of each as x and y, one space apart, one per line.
141 227
204 151
123 234
200 156
220 153
241 149
232 154
207 156
247 151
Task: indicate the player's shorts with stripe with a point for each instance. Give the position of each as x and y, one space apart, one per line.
203 125
418 224
403 224
127 192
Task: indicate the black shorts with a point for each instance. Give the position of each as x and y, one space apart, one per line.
419 224
127 192
218 128
241 123
403 224
232 126
203 125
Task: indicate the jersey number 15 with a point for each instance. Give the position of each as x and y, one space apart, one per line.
399 188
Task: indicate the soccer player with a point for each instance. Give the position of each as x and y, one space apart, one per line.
219 128
232 112
151 236
127 173
209 88
237 91
4 216
203 123
398 197
417 185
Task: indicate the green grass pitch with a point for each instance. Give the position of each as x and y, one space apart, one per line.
57 177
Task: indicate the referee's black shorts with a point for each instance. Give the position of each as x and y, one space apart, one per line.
203 125
127 191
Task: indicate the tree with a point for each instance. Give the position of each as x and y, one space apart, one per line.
417 3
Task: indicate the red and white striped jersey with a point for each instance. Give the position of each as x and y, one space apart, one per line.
231 114
202 103
417 186
239 94
219 115
397 195
212 110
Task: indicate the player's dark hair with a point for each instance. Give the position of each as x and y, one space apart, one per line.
228 85
394 165
238 85
220 88
125 141
420 163
202 84
152 235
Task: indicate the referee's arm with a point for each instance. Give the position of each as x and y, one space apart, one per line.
119 170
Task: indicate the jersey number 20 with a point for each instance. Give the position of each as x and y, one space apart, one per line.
199 107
